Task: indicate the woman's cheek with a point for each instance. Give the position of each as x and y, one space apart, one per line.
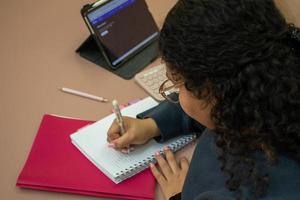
187 103
195 108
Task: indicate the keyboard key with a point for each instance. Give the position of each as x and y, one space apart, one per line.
149 83
151 80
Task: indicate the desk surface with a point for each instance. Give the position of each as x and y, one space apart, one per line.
38 40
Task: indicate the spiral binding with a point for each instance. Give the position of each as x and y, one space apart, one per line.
141 165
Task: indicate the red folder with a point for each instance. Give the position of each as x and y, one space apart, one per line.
55 164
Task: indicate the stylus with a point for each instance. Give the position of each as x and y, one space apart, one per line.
119 117
83 94
120 122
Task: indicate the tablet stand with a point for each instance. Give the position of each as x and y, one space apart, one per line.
90 51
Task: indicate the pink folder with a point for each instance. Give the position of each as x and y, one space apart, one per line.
55 164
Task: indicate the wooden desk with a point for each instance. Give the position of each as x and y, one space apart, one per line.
37 44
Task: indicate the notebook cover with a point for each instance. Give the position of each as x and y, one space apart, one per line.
55 164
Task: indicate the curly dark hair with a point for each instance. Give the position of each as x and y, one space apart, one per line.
241 51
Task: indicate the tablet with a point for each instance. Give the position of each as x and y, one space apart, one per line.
121 28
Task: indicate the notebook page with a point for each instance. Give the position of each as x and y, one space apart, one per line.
116 162
92 139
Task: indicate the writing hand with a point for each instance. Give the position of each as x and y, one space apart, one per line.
138 131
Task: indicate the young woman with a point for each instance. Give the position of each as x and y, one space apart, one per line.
235 66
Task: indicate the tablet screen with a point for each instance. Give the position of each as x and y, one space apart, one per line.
123 28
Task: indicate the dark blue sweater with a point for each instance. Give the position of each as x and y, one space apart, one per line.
205 180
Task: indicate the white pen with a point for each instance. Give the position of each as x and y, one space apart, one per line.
121 124
119 116
83 94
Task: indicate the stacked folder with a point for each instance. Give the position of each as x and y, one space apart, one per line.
54 164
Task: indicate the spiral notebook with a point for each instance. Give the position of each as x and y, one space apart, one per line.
91 141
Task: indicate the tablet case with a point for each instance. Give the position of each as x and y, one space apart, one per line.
90 51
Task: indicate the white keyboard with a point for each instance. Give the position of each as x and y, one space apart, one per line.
151 79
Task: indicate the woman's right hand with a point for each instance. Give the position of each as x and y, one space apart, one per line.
138 131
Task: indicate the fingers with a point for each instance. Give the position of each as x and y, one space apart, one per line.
169 165
113 132
164 166
122 142
116 140
158 176
184 164
171 160
170 182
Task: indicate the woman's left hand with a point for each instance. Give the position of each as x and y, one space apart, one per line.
171 174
